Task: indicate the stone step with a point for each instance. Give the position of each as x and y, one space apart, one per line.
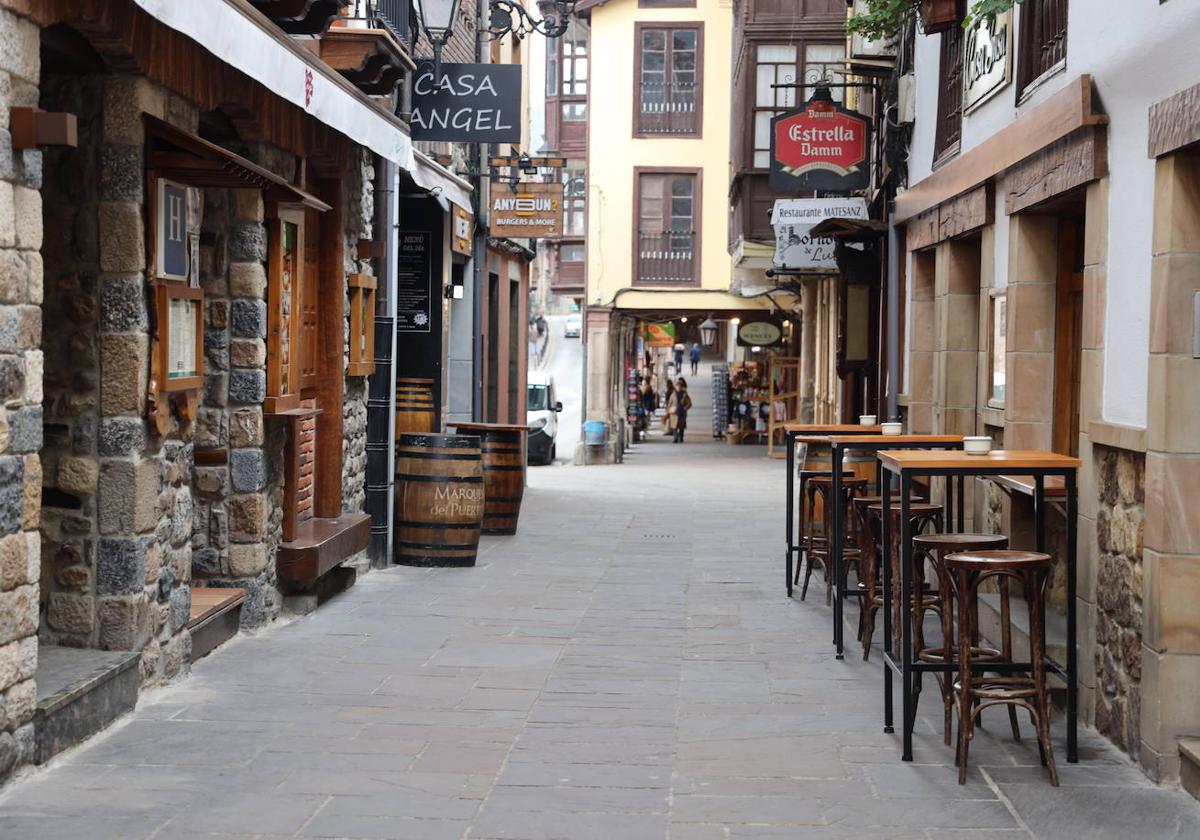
215 616
79 693
1189 765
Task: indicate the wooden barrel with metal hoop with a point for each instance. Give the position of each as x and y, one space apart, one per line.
855 464
504 449
414 406
439 500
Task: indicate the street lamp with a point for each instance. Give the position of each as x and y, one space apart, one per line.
437 19
708 332
510 16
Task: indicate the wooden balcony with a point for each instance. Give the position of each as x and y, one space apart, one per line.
368 54
302 17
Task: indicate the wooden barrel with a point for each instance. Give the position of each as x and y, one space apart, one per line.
855 464
439 500
504 454
414 406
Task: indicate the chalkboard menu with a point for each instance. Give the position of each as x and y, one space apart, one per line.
414 282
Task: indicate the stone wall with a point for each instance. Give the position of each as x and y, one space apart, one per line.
118 505
21 394
1119 529
359 223
236 527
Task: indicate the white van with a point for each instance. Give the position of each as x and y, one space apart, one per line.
573 325
541 415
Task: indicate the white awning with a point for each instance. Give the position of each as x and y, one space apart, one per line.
429 174
240 36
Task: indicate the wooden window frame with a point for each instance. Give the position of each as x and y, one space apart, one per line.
1027 81
361 288
283 396
666 4
946 143
698 215
639 27
995 298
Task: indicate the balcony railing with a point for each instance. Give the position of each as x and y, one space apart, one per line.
667 108
666 257
393 15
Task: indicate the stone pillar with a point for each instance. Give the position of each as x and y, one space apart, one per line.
1171 629
597 324
1029 369
808 352
21 394
922 342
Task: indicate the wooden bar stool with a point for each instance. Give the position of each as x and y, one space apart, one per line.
822 486
976 692
922 515
934 548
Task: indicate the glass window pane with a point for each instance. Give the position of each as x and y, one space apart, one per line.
653 62
653 39
684 39
762 160
824 52
762 129
779 53
681 186
574 111
764 94
683 61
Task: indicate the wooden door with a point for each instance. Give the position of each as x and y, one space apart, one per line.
307 300
1068 331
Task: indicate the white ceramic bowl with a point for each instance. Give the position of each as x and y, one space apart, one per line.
981 445
892 428
866 420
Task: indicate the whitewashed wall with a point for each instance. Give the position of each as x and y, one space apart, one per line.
1137 53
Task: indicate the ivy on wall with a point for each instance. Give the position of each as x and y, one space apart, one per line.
883 18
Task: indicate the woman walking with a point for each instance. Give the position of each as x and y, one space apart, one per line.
694 356
677 409
666 419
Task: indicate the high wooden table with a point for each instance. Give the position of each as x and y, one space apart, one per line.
791 431
904 466
840 445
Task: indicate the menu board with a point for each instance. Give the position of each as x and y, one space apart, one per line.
414 282
181 344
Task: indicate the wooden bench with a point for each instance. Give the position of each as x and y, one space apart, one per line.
214 618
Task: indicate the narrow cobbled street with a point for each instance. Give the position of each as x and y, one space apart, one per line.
627 666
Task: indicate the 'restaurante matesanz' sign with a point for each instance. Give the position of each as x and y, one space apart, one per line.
821 146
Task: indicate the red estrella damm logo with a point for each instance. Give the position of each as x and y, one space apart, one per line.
821 137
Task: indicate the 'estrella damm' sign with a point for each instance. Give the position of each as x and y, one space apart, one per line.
821 146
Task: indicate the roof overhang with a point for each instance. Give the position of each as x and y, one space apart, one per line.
853 230
196 162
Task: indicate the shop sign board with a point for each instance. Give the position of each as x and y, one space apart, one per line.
987 60
414 281
463 232
178 210
533 211
821 146
764 332
660 335
467 103
794 218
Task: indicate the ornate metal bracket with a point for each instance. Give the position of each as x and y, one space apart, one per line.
509 16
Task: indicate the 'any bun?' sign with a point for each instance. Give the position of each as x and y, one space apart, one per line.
822 146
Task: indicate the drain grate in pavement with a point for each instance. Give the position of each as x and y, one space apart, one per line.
659 537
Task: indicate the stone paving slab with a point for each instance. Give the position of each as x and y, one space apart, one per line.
626 667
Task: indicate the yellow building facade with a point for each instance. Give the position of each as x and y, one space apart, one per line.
659 113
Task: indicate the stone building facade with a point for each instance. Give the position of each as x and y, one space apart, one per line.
114 509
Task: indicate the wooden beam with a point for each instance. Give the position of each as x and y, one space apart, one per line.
1064 112
1071 162
922 231
331 344
966 212
1175 122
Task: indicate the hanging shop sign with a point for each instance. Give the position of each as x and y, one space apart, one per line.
987 60
821 146
796 249
177 210
467 103
463 232
533 211
660 335
414 281
764 332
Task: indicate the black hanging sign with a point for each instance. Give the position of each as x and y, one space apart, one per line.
414 281
821 146
468 103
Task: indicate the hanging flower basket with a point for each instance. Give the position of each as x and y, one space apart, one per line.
940 15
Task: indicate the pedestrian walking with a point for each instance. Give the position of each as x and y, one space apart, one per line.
666 420
677 409
694 355
679 351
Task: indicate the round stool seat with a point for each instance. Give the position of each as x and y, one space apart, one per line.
996 561
826 480
806 473
953 543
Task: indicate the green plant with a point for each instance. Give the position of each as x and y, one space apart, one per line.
883 18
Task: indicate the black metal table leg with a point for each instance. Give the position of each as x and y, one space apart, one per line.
789 440
906 672
1072 652
835 544
886 569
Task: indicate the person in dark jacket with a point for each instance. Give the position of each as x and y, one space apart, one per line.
694 356
677 409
